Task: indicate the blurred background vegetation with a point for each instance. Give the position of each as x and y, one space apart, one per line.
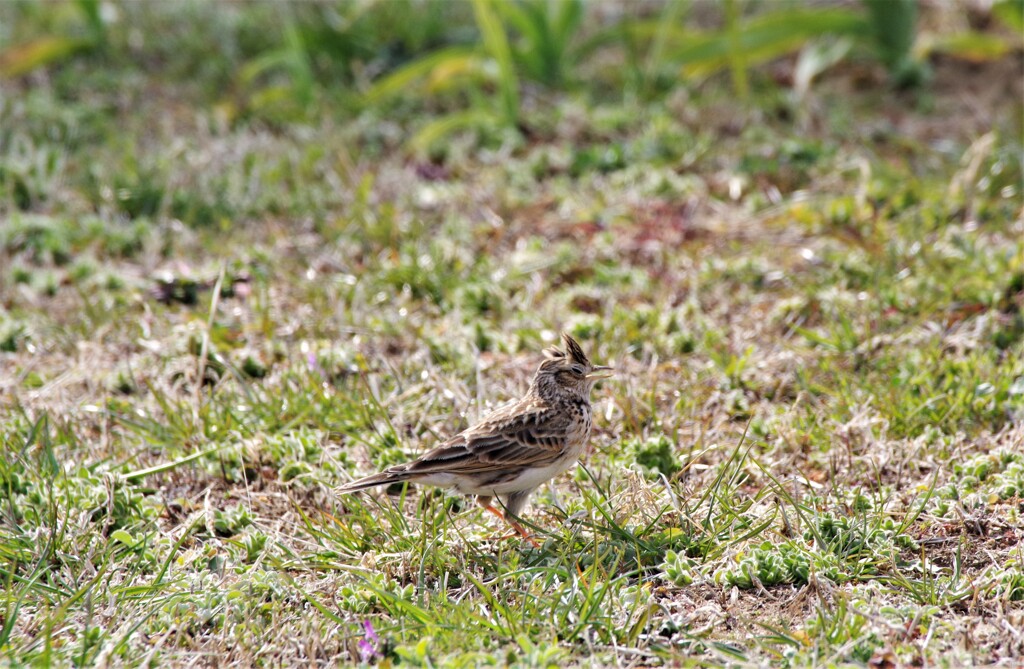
485 65
409 74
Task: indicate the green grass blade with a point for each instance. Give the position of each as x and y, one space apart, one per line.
496 43
435 67
168 466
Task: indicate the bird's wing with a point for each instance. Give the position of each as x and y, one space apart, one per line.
526 434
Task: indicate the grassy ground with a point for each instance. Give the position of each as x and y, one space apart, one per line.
212 316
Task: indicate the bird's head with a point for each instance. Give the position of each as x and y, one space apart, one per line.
569 370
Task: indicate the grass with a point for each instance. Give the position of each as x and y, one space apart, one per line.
212 314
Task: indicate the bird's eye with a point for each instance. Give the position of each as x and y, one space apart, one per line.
577 370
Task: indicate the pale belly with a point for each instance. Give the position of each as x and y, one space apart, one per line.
528 479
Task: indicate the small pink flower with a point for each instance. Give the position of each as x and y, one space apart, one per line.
369 645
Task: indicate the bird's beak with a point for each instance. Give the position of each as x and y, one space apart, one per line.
600 372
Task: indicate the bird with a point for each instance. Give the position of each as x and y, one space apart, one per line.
521 445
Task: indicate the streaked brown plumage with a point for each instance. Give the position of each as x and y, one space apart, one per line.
512 451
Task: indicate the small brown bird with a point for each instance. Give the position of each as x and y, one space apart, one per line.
512 451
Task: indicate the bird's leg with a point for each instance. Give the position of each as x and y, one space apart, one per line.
485 502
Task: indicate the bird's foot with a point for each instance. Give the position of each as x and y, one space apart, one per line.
519 529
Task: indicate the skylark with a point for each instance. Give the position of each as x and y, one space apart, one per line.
515 449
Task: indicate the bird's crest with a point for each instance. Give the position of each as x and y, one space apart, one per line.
572 350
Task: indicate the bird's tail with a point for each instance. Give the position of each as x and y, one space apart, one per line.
384 478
